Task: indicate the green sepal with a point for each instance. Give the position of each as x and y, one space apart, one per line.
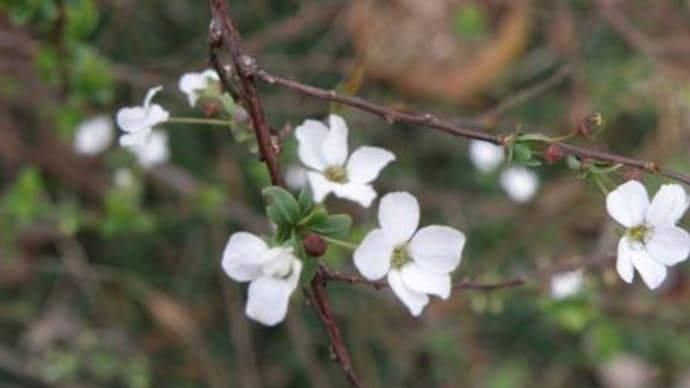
283 209
336 226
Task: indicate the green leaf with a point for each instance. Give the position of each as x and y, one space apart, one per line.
318 215
283 209
470 22
335 226
305 201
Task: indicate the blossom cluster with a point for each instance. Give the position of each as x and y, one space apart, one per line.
417 262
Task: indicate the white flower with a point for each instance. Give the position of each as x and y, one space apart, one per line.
418 263
325 151
193 84
485 156
273 274
652 241
138 121
152 149
519 183
93 136
295 177
566 284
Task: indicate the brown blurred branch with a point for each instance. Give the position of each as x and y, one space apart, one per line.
468 129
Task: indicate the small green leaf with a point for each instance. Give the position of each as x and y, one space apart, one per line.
305 201
283 209
316 216
336 226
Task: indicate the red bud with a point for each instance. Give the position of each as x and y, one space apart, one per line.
553 154
314 245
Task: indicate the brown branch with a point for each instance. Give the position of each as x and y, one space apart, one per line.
243 65
223 31
468 129
319 299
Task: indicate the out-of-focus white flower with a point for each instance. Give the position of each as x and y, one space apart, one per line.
325 151
418 262
152 150
93 136
123 178
485 156
519 183
652 241
295 177
566 284
194 84
273 274
138 121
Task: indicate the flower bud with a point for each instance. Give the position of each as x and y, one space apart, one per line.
590 125
209 108
553 154
314 245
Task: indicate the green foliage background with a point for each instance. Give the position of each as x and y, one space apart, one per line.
102 286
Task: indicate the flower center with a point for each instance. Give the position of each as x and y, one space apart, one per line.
336 174
638 235
400 256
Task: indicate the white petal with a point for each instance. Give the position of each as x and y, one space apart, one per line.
135 139
150 94
310 136
131 119
566 284
93 136
268 297
624 264
519 183
420 280
192 84
320 186
485 156
243 256
669 245
652 272
415 301
295 177
153 151
398 216
361 193
628 203
366 163
668 206
373 255
335 146
437 249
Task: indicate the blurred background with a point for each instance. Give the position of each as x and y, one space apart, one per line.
110 270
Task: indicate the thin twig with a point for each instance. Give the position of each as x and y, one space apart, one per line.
469 129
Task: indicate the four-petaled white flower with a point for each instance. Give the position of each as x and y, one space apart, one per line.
325 151
194 84
652 241
566 284
485 156
273 274
519 183
93 136
417 264
153 150
138 121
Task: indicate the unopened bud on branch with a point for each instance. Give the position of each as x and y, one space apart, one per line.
314 245
553 153
590 125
